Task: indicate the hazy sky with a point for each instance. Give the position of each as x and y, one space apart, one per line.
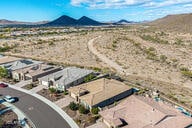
101 10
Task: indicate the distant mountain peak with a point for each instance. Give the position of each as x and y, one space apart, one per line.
123 21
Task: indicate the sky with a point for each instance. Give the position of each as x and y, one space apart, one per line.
101 10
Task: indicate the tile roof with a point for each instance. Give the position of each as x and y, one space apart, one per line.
18 64
67 75
140 112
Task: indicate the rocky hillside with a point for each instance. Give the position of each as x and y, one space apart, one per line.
179 23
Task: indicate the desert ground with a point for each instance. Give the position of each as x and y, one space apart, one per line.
153 58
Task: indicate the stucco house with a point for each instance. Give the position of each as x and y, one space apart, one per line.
68 77
100 93
34 72
144 112
19 64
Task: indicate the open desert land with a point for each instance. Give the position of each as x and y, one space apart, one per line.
62 48
153 58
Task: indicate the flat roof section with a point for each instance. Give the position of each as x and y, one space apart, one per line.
8 59
99 90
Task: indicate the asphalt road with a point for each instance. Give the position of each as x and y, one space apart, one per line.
40 113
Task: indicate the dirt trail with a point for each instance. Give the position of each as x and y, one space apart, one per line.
103 58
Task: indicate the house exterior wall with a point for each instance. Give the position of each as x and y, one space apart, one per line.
45 83
87 106
73 95
15 76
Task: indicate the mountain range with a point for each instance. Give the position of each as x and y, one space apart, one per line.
68 21
179 22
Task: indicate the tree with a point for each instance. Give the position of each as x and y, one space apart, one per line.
3 72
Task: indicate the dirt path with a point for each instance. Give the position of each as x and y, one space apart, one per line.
103 58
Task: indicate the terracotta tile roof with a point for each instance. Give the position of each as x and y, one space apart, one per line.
140 112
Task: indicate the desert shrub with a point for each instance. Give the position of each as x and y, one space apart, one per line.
52 90
95 110
187 73
73 106
163 58
151 53
178 41
154 39
51 43
83 110
114 44
162 34
65 92
89 78
5 48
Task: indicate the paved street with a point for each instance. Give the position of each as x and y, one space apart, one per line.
40 113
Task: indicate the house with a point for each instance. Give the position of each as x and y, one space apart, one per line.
19 64
65 78
100 93
34 72
7 59
142 112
